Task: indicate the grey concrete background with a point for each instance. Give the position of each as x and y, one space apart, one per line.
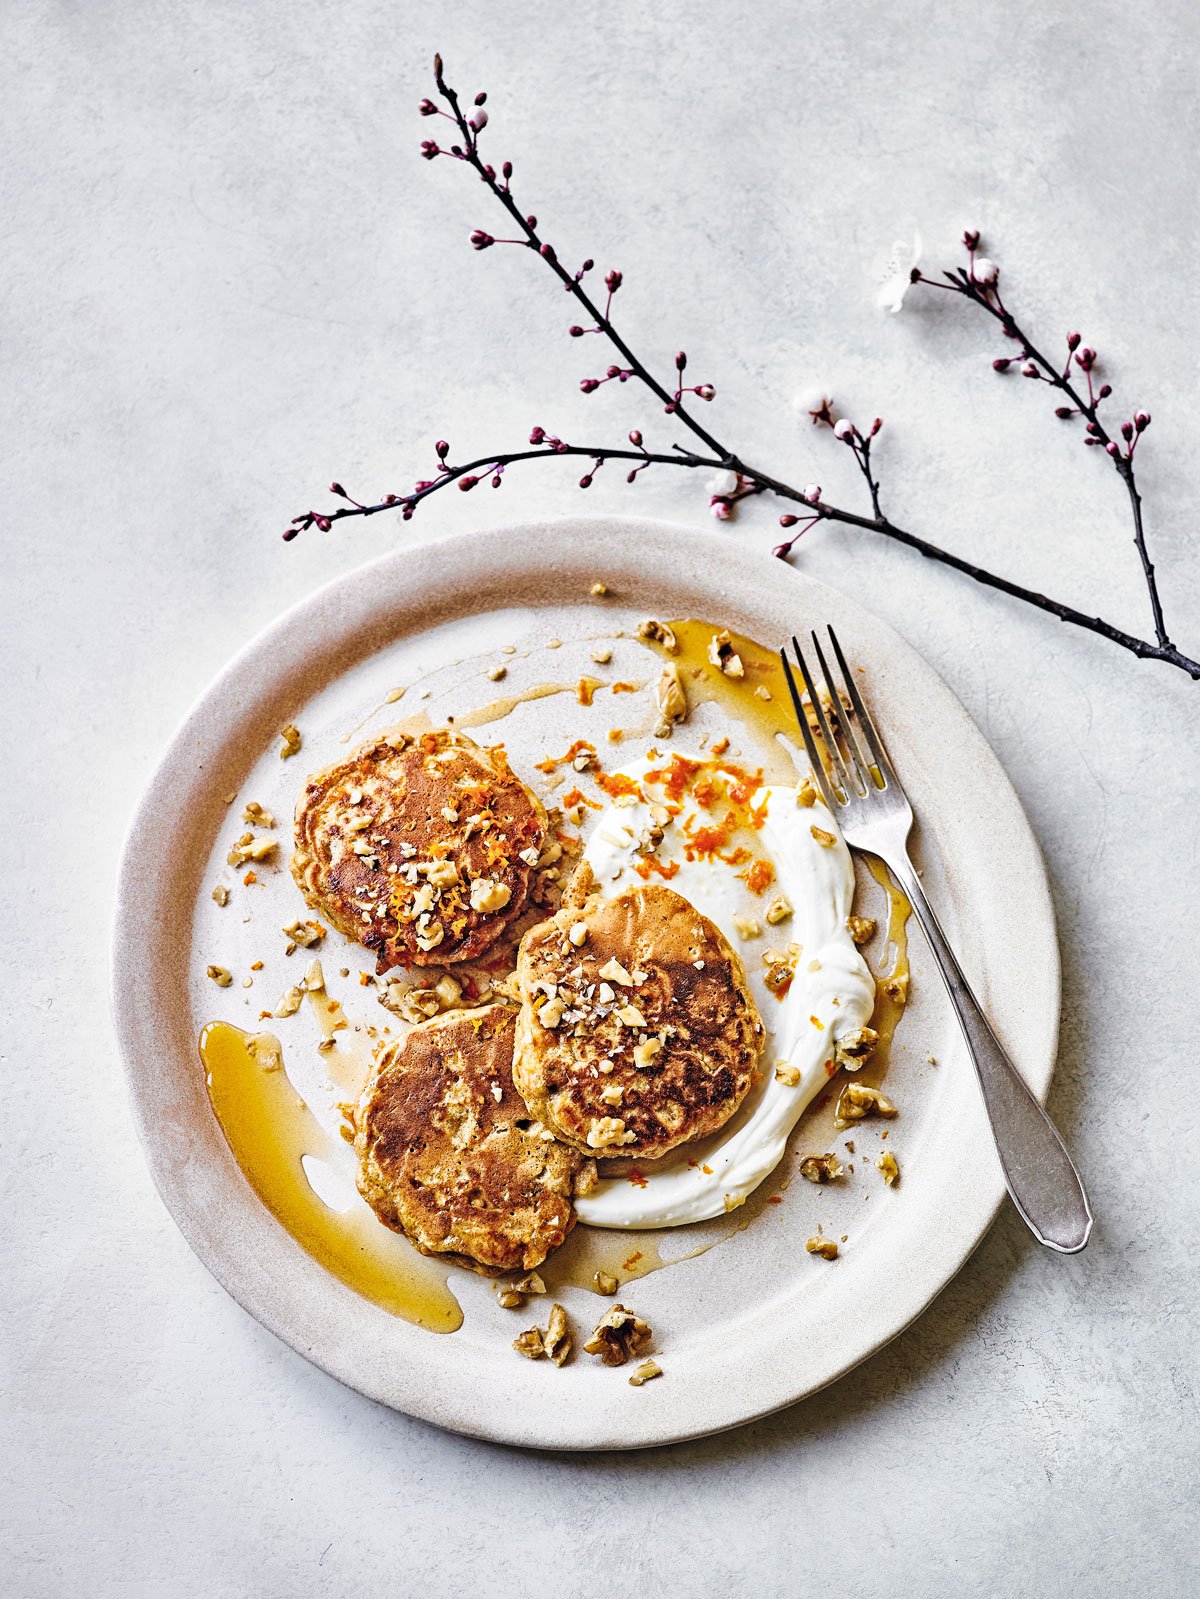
229 278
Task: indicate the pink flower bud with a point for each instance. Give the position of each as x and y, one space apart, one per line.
1074 340
575 332
1064 412
613 281
323 523
787 520
985 271
844 431
1002 363
336 488
289 533
548 251
427 108
635 438
480 97
429 149
810 492
971 238
705 391
589 385
537 435
481 240
1127 431
585 482
680 360
876 426
441 449
721 509
506 171
467 482
1086 358
479 121
1141 420
1105 391
1113 448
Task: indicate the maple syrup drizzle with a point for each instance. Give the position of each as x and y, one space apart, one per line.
270 1129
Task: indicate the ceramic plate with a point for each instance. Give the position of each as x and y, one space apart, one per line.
743 1329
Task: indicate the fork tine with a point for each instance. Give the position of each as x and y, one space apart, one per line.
840 774
861 767
864 717
814 760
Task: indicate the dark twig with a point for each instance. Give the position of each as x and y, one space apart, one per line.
978 283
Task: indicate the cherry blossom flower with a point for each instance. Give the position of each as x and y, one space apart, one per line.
897 276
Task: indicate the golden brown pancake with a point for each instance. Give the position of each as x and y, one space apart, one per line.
449 1155
638 1031
420 847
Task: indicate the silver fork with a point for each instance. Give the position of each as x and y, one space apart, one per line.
875 816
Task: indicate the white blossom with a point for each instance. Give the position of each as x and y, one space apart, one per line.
816 403
897 276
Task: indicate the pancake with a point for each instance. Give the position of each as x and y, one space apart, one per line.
422 848
637 1031
449 1155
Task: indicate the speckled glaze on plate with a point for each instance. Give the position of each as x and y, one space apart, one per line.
756 1323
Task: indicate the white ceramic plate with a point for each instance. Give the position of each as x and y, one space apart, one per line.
754 1324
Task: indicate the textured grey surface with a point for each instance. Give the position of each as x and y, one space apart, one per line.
229 278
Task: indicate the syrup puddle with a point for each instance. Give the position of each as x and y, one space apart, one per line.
271 1130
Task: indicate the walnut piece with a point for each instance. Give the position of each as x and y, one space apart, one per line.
257 815
890 1167
821 1168
860 928
723 656
513 1292
646 1372
221 894
825 1247
306 934
554 1343
220 976
619 1336
856 1101
291 741
855 1049
530 1344
605 1283
824 839
658 633
249 848
779 910
671 700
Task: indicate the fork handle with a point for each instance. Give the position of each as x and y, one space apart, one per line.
1041 1177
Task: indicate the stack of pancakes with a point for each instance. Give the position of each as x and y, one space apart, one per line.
636 1030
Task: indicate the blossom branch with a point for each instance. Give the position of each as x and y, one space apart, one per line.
737 480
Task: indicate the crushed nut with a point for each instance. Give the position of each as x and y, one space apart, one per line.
824 839
658 633
441 874
255 814
530 1344
779 910
498 673
220 976
605 1283
855 1048
249 848
762 692
646 1053
648 1370
619 1336
723 656
896 988
551 1013
221 894
825 1247
306 934
860 928
290 1003
671 700
578 933
747 927
599 590
889 1166
788 1075
291 741
489 895
512 1294
602 656
608 1132
806 794
821 1168
556 1340
856 1101
613 972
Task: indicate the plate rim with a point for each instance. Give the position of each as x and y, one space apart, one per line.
129 1022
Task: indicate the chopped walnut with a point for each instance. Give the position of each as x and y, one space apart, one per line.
291 741
806 794
556 1340
671 700
747 927
220 976
889 1166
824 839
221 894
779 910
896 988
306 934
578 933
489 895
861 928
788 1075
619 1336
646 1053
512 1293
613 972
856 1048
249 848
821 1168
605 1283
602 656
607 1132
723 656
497 673
290 1003
658 633
857 1101
648 1370
762 692
530 1344
256 815
551 1012
825 1247
599 590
